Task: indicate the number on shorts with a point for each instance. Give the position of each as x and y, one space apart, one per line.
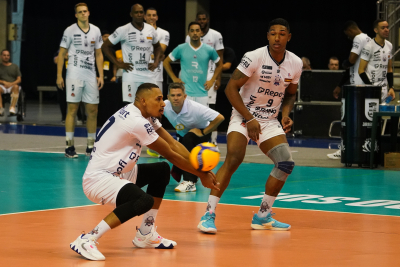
111 122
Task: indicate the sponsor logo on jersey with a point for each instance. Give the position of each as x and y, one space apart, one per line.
252 100
77 35
166 38
265 77
266 67
179 127
356 45
141 39
139 48
266 72
64 39
269 111
264 81
269 92
244 63
83 52
93 42
115 34
277 71
149 128
195 64
287 80
277 81
220 40
149 38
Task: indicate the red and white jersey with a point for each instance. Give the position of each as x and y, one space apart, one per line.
214 39
359 43
163 37
81 47
137 46
263 92
378 59
119 142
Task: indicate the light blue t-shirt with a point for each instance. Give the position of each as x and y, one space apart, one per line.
194 66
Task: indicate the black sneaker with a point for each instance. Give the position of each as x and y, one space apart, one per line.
88 151
70 152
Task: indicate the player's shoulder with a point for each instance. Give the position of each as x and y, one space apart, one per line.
293 58
71 28
161 30
148 27
389 44
94 27
257 52
214 32
124 27
183 46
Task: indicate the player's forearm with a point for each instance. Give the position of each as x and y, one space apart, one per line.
218 71
232 93
181 160
168 68
158 54
16 82
60 65
107 50
180 149
288 104
100 63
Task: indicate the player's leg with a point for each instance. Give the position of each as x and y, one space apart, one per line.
14 98
74 97
277 149
156 177
236 150
1 100
212 101
91 97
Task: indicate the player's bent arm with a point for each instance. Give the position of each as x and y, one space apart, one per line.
214 124
175 145
390 69
107 50
289 99
99 62
363 66
353 58
17 81
158 53
226 66
168 68
218 70
232 93
60 61
163 47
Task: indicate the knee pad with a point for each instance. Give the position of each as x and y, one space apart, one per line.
282 158
12 95
156 175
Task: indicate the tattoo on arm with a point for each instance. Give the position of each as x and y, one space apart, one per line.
237 75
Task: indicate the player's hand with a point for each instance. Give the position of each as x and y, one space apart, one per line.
209 180
217 84
60 83
208 85
253 130
196 132
113 79
391 93
125 66
7 84
177 80
100 82
152 66
336 92
287 124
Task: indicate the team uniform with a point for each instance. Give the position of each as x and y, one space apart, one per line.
359 43
214 39
137 47
378 58
115 154
263 93
163 37
81 83
194 63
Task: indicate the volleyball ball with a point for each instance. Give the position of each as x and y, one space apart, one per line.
204 157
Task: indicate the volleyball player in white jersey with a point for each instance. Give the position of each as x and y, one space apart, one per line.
351 64
376 61
267 78
214 39
82 41
138 41
112 176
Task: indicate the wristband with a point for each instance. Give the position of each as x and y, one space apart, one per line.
202 132
390 79
250 120
365 78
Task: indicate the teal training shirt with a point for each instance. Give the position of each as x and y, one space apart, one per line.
194 66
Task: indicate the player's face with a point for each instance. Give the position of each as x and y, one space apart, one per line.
105 36
382 30
5 56
154 103
349 33
194 32
82 13
333 64
278 36
137 14
176 97
203 20
151 17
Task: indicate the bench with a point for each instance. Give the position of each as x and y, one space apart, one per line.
42 89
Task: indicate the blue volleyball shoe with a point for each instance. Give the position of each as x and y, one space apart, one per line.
268 223
207 223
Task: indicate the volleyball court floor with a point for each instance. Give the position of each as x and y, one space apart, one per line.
339 216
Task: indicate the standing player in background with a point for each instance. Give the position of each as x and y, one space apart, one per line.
138 40
194 57
151 18
82 41
254 113
376 61
360 39
215 40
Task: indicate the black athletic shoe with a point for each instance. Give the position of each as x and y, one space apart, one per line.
70 152
88 151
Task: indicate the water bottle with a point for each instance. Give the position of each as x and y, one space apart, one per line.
388 99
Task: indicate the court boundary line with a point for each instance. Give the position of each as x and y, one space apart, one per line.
22 212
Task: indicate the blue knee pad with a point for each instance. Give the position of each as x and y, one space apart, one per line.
282 158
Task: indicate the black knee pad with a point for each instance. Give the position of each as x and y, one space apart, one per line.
156 176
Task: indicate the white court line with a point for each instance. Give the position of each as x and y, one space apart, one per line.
25 149
48 209
42 151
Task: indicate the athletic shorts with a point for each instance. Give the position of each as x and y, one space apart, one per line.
129 90
269 129
212 95
103 187
82 91
7 90
199 99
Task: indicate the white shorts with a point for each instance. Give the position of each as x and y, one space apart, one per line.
160 85
199 99
103 187
129 90
82 91
269 129
7 90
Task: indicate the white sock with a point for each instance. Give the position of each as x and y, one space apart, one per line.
214 137
91 135
266 206
212 203
90 139
148 221
70 138
99 230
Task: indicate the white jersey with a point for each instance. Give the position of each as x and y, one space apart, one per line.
263 92
163 37
81 47
213 39
137 46
119 142
378 58
359 43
